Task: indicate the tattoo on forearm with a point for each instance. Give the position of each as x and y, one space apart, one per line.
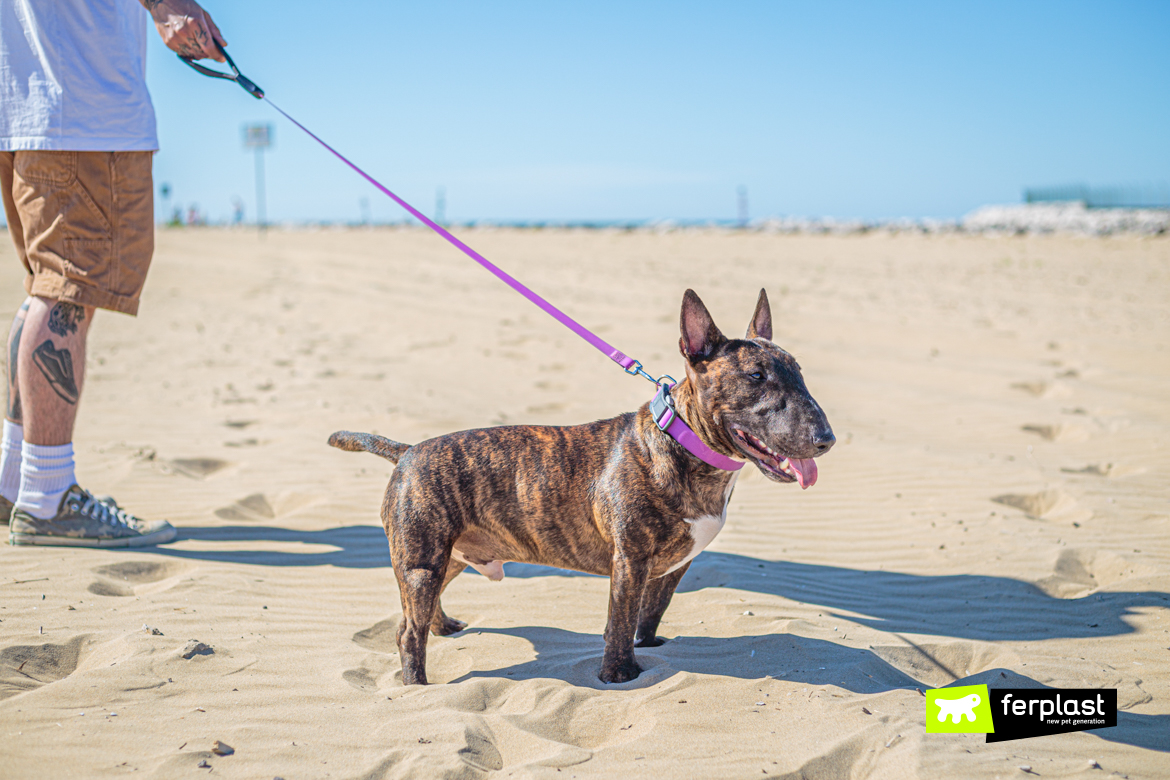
57 367
149 5
64 316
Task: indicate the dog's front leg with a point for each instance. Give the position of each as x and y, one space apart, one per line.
626 584
655 600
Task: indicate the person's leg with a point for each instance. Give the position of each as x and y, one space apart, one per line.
49 375
51 369
88 229
13 436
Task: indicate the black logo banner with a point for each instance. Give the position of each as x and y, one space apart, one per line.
1019 713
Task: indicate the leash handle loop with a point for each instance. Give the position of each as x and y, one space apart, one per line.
246 83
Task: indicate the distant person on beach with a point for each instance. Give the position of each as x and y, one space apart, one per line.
77 135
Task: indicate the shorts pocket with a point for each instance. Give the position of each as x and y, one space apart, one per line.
58 169
87 258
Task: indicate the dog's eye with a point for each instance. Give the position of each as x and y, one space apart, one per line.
755 376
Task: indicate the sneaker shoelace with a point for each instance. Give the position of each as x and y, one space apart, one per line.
104 513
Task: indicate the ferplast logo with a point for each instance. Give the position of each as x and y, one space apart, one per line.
965 709
1018 713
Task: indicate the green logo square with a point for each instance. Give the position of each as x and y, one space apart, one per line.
962 710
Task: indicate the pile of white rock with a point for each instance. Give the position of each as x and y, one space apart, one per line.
835 226
1072 217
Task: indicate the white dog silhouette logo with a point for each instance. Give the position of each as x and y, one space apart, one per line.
958 708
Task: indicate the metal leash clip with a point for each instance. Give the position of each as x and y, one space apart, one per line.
245 82
662 404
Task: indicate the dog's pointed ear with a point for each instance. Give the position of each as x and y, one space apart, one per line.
761 324
700 336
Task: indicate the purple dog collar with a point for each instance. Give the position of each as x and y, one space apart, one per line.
667 418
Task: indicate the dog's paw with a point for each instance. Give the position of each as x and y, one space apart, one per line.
651 641
445 626
619 672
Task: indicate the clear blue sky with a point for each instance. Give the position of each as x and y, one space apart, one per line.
656 110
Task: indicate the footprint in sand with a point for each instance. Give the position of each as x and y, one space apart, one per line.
1078 572
1046 504
1063 432
1032 388
195 468
379 637
360 678
258 506
1096 469
120 579
478 752
27 667
939 664
250 508
1042 389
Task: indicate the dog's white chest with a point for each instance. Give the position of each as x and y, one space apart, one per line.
704 529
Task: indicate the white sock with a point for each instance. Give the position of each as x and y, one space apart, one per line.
45 474
10 460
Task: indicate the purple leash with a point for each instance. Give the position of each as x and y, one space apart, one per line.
613 354
661 406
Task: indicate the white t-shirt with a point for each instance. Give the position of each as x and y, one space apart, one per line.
73 76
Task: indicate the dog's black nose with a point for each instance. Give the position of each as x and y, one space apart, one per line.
823 440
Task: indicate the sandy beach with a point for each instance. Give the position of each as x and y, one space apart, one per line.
996 510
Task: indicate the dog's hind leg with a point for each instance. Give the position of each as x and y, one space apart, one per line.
442 624
419 588
655 600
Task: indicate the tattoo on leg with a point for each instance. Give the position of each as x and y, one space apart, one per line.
57 367
15 413
64 316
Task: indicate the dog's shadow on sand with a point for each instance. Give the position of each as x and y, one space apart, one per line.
962 606
576 657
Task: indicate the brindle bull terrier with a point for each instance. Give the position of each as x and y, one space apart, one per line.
615 497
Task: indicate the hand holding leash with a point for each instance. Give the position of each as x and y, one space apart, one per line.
186 29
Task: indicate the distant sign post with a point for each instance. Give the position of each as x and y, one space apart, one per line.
259 137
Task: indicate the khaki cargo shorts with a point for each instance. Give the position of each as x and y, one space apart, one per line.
83 224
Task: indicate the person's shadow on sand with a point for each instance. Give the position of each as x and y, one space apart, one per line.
963 606
354 546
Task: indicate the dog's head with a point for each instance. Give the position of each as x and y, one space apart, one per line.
750 395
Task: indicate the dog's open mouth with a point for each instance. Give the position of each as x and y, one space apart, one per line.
802 470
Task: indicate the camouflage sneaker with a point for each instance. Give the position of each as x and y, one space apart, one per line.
5 510
84 521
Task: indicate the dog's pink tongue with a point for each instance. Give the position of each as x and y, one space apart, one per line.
806 471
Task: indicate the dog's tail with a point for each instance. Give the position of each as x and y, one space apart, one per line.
368 442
